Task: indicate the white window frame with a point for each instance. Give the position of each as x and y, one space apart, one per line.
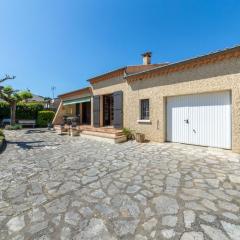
141 119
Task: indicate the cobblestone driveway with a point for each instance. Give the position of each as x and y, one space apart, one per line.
58 187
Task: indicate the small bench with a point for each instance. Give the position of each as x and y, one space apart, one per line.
27 123
6 121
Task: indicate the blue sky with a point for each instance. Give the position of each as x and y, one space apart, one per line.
63 43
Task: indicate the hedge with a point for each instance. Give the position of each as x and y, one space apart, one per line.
1 133
24 110
4 110
44 118
13 127
2 137
2 141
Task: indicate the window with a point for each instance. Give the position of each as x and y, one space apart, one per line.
68 110
144 105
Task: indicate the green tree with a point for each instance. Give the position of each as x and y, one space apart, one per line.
12 97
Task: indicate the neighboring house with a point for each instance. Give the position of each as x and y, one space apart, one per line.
54 104
36 98
195 101
48 103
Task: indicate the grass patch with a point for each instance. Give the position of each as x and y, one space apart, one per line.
1 133
2 138
13 127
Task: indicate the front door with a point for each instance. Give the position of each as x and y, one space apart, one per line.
108 110
77 109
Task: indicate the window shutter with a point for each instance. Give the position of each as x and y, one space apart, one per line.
118 109
96 111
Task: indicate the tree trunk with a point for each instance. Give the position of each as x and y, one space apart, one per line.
13 113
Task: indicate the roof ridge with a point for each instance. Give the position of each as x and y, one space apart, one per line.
125 68
78 90
186 60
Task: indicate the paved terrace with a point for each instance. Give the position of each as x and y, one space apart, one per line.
59 187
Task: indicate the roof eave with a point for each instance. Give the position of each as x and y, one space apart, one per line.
76 91
96 78
212 54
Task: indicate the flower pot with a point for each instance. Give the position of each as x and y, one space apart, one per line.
74 132
140 137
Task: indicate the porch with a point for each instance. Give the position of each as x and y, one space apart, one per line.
99 117
78 110
74 112
107 134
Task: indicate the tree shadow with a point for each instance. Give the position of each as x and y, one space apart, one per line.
3 146
32 145
30 131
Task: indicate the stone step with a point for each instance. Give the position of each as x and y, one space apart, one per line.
108 137
103 130
102 134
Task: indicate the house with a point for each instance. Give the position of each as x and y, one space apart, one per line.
35 99
195 101
75 104
53 104
48 103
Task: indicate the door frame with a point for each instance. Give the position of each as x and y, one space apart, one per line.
110 110
86 105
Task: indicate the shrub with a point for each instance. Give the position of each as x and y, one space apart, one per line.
44 118
2 137
1 133
128 133
13 127
26 111
4 110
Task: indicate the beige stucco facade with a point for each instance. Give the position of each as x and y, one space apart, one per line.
212 77
211 73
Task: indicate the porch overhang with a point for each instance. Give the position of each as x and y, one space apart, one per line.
77 100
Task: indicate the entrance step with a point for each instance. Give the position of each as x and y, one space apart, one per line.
104 134
107 134
108 139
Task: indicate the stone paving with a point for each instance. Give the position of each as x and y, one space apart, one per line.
59 187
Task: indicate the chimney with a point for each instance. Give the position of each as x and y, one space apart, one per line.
147 58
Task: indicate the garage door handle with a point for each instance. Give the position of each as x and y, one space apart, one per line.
186 121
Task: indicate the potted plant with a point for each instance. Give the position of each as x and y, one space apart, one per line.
140 137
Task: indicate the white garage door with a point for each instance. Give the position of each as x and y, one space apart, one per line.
200 119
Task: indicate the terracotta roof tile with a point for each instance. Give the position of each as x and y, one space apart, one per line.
76 92
126 70
188 63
